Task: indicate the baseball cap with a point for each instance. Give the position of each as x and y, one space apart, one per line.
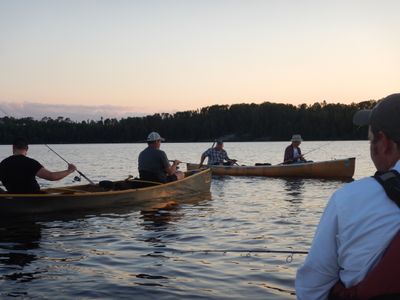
385 117
154 136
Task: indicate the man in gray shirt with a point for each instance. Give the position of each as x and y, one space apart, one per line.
154 164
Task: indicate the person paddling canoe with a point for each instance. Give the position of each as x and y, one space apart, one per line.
217 156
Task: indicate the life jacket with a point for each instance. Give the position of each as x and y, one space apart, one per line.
383 281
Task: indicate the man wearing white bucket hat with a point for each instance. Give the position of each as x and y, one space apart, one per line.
293 152
154 164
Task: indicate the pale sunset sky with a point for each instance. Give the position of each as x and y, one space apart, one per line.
125 57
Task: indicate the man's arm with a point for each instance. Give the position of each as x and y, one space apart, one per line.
171 170
288 157
226 157
203 157
320 270
301 157
53 176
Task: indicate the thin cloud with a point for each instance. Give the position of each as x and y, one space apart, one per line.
74 112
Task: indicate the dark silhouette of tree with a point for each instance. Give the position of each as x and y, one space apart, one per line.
238 122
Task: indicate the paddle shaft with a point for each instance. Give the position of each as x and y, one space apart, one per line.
79 172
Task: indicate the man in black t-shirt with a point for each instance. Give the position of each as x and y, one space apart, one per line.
154 164
18 172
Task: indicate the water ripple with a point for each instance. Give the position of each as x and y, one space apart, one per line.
126 253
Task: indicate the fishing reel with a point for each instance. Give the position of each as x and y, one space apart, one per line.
77 179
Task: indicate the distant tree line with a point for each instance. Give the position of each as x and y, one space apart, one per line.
238 122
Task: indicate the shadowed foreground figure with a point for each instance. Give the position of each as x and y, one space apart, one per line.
359 223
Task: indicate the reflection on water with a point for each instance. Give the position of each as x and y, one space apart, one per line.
164 216
127 252
157 218
293 188
18 239
294 193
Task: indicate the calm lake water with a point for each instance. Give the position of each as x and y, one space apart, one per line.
128 253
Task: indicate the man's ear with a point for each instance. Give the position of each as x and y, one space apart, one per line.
387 144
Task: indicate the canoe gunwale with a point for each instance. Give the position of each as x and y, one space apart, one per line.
82 193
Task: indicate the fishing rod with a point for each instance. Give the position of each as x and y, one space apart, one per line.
185 162
237 251
213 144
80 173
289 258
312 150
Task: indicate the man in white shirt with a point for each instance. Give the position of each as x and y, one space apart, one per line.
360 220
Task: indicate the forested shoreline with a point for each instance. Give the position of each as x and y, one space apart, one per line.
238 122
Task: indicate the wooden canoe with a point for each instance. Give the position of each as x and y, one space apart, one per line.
85 197
331 169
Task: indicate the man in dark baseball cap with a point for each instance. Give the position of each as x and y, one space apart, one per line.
384 117
360 221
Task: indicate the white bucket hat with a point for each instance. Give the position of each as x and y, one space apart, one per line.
154 136
296 138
